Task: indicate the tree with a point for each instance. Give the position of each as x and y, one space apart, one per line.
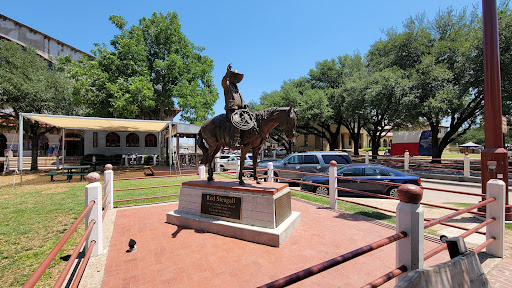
386 99
443 60
152 70
30 85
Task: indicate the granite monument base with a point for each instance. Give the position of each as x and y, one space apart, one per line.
259 213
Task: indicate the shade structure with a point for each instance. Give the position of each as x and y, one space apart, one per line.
470 145
93 123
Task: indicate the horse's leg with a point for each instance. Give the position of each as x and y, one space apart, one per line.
243 151
211 155
255 164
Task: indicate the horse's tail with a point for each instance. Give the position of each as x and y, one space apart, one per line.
202 146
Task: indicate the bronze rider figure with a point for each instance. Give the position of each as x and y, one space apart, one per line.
234 101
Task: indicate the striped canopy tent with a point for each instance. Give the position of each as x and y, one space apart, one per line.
107 124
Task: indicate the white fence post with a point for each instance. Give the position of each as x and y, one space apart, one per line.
125 160
7 164
270 167
94 159
496 189
466 165
217 164
202 172
237 167
108 177
93 193
409 219
154 160
57 160
366 158
333 184
406 160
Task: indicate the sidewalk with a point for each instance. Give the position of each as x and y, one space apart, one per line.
171 256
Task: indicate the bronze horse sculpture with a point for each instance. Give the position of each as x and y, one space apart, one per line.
214 135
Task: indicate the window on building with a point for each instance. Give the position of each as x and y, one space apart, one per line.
94 139
150 140
113 140
132 140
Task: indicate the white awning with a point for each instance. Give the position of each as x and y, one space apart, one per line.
93 123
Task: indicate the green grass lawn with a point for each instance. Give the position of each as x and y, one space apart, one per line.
35 216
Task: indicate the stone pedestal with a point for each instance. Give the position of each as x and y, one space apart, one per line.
258 213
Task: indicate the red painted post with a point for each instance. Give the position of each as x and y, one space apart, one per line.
494 157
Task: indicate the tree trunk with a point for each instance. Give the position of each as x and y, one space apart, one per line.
375 146
33 140
332 140
355 141
436 149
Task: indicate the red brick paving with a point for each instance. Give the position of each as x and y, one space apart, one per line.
501 276
168 256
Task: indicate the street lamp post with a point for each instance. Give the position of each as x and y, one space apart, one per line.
494 163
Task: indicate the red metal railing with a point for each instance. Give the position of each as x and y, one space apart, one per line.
72 259
83 264
32 281
313 270
143 198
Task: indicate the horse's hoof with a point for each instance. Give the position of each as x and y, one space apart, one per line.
210 179
241 183
258 182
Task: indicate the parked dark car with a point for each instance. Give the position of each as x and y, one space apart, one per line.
363 171
248 165
311 162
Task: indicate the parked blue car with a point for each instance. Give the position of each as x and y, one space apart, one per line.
366 172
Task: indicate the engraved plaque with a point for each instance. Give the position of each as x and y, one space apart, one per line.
283 208
222 206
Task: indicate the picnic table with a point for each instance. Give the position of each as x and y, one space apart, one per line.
71 171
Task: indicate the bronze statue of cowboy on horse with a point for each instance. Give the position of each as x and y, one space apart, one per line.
239 128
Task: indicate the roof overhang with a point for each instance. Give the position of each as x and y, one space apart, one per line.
93 123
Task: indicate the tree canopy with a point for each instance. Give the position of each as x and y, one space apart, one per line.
30 85
428 73
151 70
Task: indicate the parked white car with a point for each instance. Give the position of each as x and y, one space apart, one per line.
230 162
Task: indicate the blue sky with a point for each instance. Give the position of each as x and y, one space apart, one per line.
268 41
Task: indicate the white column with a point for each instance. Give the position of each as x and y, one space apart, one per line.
270 167
496 189
170 150
20 148
333 184
366 158
409 219
160 147
406 160
93 193
202 172
108 177
467 166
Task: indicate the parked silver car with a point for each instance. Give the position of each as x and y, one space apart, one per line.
311 162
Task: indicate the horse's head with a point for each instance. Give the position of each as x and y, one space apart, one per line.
288 121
